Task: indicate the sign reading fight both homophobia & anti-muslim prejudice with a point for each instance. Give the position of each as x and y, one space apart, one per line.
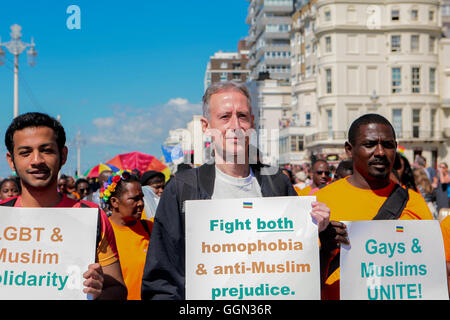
45 251
393 260
246 249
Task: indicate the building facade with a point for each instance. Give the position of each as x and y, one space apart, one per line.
227 66
353 57
268 38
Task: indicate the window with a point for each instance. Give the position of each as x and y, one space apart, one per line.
351 14
328 81
395 43
223 76
330 123
415 122
223 65
395 15
415 79
296 143
432 80
414 43
414 15
431 44
308 119
432 122
328 44
327 15
431 15
396 80
397 122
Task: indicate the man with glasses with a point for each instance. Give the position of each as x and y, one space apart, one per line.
320 178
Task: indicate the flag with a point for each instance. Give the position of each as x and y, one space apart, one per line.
399 228
167 153
401 149
248 205
177 154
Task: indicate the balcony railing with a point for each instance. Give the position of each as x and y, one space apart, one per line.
403 135
326 136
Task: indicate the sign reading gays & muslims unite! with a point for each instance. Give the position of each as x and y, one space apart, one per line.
258 248
393 260
45 251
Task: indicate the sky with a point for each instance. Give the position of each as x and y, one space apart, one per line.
133 71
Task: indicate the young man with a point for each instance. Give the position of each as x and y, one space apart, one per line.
37 151
372 146
228 117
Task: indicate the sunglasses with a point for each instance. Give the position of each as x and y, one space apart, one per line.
327 173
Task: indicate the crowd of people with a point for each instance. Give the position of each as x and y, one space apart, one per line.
141 242
431 183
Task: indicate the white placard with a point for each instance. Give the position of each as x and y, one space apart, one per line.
245 249
45 251
393 260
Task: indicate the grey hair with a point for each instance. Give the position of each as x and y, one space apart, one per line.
224 86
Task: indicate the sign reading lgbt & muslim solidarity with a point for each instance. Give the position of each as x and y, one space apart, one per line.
45 251
246 249
393 260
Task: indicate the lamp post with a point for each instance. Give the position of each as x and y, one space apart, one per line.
16 46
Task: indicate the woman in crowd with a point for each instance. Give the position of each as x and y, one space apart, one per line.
122 192
426 190
9 188
403 172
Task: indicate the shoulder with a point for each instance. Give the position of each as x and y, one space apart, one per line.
10 202
332 187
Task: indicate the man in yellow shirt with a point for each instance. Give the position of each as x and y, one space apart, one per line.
372 146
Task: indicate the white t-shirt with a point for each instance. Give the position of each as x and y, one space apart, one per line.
228 187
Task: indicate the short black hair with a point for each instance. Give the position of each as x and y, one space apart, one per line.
34 119
366 119
13 180
319 160
80 180
148 175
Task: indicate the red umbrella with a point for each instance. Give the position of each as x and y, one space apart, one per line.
138 160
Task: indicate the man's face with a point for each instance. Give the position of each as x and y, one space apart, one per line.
374 151
83 189
320 173
230 119
36 158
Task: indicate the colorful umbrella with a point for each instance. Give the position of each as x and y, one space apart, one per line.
96 170
141 161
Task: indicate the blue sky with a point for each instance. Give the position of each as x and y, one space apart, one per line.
133 71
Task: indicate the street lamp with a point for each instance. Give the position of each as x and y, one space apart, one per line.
16 46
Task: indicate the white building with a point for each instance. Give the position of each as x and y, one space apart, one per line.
354 57
268 38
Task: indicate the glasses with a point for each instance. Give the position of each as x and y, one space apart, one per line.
327 173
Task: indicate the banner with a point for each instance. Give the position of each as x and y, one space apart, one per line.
45 251
259 248
393 260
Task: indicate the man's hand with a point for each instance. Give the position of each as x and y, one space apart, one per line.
94 280
321 213
335 235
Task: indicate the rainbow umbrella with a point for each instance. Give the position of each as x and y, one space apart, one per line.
141 161
96 170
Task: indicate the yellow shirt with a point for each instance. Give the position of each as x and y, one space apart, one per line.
305 191
132 245
349 203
